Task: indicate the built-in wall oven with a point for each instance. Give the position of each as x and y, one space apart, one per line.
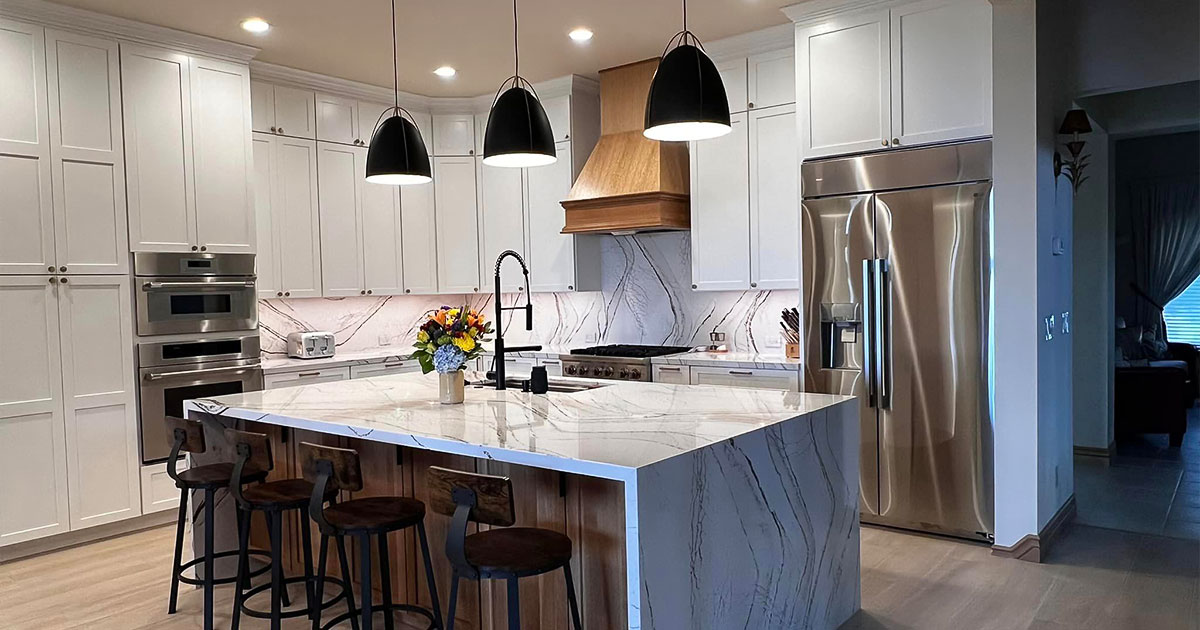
171 372
194 293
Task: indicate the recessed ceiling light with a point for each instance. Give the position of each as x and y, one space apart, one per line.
445 72
256 25
580 34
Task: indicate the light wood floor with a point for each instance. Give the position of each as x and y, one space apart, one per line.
1097 579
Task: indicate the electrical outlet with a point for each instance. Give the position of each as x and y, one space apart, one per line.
774 341
589 338
384 340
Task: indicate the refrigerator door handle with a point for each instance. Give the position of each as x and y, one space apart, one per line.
868 323
883 336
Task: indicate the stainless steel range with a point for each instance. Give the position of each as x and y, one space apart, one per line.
621 362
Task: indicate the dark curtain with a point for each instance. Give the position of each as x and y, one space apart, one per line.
1165 230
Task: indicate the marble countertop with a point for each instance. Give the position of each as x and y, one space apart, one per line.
276 364
609 431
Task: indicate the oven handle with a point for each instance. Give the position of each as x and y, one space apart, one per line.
159 286
155 376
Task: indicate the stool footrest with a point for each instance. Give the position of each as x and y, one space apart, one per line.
298 612
382 609
224 580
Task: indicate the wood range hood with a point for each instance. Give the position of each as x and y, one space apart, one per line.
630 183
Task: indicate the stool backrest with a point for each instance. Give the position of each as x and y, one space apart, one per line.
493 495
192 433
346 473
258 445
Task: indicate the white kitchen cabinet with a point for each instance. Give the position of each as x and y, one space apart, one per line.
289 244
158 489
552 255
501 221
283 110
733 77
33 451
339 169
941 71
553 366
721 210
457 224
788 380
515 367
305 377
672 374
99 399
558 111
418 234
424 123
481 121
383 263
86 154
337 118
368 115
222 156
844 96
453 134
771 79
407 366
774 199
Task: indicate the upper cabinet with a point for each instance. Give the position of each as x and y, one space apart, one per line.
283 110
454 134
733 76
285 190
337 119
457 224
188 152
913 74
62 163
501 219
761 80
418 233
720 205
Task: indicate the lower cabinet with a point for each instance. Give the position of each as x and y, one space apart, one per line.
305 377
385 368
673 374
751 378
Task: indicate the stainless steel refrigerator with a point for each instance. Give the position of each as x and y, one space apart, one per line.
897 298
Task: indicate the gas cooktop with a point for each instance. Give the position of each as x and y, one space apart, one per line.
616 361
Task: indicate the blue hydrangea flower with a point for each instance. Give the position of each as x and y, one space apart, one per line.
448 358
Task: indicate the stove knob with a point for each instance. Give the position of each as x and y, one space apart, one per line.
624 372
635 374
608 371
597 371
571 369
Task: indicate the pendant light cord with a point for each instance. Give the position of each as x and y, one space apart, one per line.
395 65
516 49
685 15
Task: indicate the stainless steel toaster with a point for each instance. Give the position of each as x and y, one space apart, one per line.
310 345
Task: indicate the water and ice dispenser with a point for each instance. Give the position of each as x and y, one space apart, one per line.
841 336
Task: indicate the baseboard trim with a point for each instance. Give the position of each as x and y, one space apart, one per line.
1034 547
1093 451
59 542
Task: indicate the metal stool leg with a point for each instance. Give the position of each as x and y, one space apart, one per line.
243 581
287 599
183 495
347 592
313 603
364 580
429 577
571 596
514 605
277 585
209 515
319 589
453 599
385 581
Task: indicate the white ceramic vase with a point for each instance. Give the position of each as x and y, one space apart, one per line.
451 387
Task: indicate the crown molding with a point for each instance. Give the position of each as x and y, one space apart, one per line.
816 10
768 39
92 23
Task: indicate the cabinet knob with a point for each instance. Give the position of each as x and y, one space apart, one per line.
750 105
273 130
885 143
570 287
475 288
64 280
895 142
470 151
408 290
694 286
753 285
194 248
50 268
204 248
53 280
369 292
281 130
279 294
62 269
362 292
520 288
287 294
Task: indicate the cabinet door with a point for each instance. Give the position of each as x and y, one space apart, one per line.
501 220
266 197
941 71
551 253
100 410
382 238
558 110
843 96
222 156
424 123
295 112
339 172
553 366
91 235
774 199
454 134
733 76
156 102
721 211
305 377
788 380
457 225
262 107
771 78
27 212
673 374
418 235
33 452
481 121
337 119
296 218
368 115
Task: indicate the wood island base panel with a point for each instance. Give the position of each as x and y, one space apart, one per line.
689 507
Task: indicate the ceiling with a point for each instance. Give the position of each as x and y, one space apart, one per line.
351 38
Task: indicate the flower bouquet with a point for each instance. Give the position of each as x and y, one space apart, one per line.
446 341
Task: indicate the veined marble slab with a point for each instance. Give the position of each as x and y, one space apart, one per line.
735 360
752 495
281 364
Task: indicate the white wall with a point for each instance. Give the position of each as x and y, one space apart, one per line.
1122 45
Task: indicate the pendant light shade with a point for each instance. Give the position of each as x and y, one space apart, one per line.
397 155
687 97
518 131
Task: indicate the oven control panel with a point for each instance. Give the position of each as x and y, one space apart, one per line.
606 368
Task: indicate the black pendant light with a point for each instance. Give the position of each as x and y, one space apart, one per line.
518 132
397 155
687 98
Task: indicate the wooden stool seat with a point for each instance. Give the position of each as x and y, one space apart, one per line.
214 476
518 551
284 494
375 514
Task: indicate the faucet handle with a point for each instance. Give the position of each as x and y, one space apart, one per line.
529 316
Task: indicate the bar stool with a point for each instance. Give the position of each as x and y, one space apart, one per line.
330 468
187 436
509 553
272 498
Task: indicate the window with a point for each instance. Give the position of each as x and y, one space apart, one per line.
1183 316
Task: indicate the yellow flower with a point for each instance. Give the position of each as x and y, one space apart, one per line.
422 336
466 344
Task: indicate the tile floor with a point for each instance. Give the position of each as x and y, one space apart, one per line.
1145 487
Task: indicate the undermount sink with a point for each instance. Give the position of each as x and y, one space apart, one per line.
555 385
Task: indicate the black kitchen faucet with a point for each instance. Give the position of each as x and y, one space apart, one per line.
528 308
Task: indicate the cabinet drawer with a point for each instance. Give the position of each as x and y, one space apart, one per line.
158 489
553 366
305 377
673 374
383 369
788 380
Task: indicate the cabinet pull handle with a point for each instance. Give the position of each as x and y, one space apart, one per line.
549 362
740 373
665 368
306 374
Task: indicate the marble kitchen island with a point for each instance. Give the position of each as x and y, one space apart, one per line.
729 507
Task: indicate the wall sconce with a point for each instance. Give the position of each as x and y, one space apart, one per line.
1075 123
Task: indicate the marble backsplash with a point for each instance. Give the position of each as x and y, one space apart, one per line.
645 297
